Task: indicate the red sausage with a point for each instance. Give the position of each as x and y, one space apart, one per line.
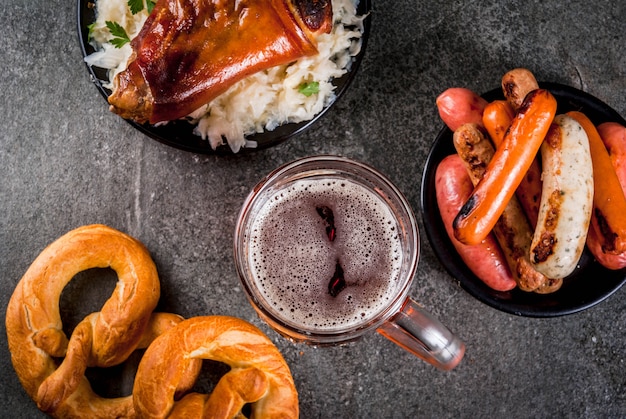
485 259
614 137
609 261
458 106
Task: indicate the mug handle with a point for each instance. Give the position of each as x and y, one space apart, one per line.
418 332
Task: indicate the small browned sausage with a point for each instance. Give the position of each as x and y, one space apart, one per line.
551 285
516 84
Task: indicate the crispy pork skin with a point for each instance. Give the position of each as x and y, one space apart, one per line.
190 51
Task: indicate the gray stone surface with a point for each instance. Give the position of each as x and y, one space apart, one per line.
65 161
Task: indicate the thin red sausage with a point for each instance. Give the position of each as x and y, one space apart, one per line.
507 168
497 118
613 136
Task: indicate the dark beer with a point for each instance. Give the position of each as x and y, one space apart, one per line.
325 253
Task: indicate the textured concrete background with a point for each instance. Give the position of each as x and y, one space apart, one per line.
65 161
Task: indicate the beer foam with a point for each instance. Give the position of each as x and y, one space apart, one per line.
293 259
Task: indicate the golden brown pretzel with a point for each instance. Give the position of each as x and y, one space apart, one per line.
259 375
35 332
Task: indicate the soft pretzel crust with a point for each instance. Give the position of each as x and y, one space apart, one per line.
35 332
259 375
51 367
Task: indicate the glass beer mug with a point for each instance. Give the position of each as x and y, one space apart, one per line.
326 248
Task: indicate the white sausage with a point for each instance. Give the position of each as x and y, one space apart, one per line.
566 199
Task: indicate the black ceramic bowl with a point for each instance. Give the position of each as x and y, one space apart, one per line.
179 134
587 286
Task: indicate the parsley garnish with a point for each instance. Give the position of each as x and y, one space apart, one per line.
90 29
120 37
309 88
136 6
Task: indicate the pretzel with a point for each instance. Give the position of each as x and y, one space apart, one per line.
176 347
259 375
34 329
